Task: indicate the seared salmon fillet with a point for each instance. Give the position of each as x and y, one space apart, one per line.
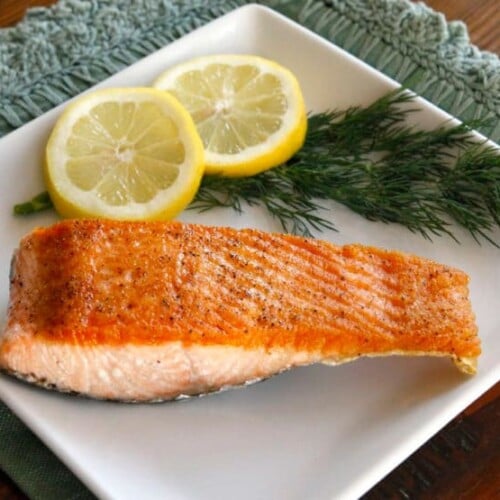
154 311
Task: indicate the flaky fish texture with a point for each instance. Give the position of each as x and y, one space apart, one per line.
137 311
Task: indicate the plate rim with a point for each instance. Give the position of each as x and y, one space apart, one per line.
399 453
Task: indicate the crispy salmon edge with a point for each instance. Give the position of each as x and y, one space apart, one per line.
466 365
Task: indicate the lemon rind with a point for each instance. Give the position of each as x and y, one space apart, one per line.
70 201
278 147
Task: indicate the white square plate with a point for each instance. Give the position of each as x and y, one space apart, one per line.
315 432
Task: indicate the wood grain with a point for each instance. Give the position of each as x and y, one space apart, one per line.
12 11
9 490
482 18
463 460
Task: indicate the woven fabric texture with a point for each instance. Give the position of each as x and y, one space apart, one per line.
57 52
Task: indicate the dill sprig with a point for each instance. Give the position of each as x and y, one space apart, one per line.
38 203
370 160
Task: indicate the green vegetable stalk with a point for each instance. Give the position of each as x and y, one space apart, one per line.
370 160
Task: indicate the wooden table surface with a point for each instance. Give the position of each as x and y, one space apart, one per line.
463 459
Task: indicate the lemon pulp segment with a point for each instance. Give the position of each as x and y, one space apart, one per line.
124 153
249 111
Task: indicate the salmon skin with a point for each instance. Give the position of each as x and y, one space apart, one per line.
135 311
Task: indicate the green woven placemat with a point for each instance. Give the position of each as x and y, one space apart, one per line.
56 53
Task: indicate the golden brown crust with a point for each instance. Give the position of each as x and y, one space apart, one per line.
103 282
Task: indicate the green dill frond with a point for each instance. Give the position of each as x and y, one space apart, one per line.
373 162
370 160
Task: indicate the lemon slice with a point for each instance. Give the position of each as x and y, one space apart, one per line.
249 111
124 154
